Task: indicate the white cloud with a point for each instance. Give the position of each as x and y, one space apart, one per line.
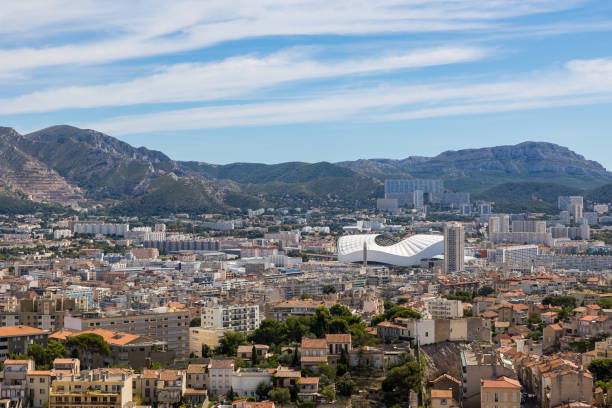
233 77
579 82
133 29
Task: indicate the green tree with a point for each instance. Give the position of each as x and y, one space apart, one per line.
345 385
321 321
262 390
254 355
565 313
306 296
601 369
340 311
298 327
485 291
280 395
195 322
327 289
295 362
563 301
270 332
329 395
43 356
337 326
228 344
343 362
206 351
605 302
327 370
393 311
403 378
89 342
239 362
231 395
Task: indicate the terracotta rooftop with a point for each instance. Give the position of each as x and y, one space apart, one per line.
338 338
441 394
314 343
12 331
501 382
218 363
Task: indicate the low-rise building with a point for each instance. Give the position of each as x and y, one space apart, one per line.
442 399
14 381
242 317
197 376
169 325
108 387
126 349
503 392
162 388
441 308
220 375
16 339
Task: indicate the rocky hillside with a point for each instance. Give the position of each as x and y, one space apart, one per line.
479 169
64 164
102 166
23 173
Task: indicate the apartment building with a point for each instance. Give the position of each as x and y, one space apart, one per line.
39 381
199 336
241 317
307 307
127 349
441 308
163 388
14 383
16 339
165 324
46 313
603 349
108 387
220 375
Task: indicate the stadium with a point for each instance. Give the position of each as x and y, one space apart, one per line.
387 250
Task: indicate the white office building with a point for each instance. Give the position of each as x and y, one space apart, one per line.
441 308
242 317
101 228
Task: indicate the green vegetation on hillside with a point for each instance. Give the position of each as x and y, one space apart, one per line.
601 194
169 195
257 173
13 203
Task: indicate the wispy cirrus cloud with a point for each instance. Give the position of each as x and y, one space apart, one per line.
136 29
231 78
580 82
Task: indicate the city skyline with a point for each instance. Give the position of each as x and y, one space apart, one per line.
310 81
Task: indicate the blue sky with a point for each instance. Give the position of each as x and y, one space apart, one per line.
278 80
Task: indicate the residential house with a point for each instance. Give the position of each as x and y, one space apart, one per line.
503 392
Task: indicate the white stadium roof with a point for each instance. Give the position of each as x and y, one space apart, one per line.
406 252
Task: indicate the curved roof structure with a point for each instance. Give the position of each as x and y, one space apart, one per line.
406 252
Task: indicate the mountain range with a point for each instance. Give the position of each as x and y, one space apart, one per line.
64 164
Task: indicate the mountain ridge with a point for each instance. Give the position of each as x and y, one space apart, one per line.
69 164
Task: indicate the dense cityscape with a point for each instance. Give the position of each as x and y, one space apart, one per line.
384 305
305 204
